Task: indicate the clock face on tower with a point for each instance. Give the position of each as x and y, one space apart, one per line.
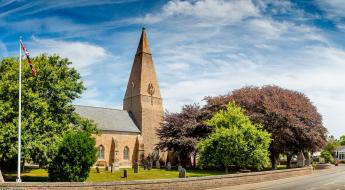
150 89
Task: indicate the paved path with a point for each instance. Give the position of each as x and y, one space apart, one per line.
330 179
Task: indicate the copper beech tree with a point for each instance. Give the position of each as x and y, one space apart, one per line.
180 132
288 115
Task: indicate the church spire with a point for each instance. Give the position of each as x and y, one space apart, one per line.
143 46
143 98
143 79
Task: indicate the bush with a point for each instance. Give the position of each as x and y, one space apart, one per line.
76 154
236 141
327 156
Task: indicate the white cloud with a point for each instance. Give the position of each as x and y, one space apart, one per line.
211 47
205 11
83 55
333 8
87 59
269 28
252 49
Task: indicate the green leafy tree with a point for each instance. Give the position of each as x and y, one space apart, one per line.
236 141
289 116
47 110
332 144
327 156
75 156
342 140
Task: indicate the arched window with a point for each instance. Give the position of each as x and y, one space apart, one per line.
101 152
126 153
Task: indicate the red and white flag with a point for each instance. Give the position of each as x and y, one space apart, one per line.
27 54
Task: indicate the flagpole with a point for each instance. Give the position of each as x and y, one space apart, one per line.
18 180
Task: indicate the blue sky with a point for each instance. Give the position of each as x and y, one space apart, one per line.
200 48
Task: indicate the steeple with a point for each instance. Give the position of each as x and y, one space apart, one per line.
143 98
143 46
143 73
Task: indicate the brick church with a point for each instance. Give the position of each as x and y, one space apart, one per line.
128 135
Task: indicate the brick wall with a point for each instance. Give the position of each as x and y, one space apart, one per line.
196 183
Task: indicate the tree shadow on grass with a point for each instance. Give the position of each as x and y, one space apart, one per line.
12 178
27 176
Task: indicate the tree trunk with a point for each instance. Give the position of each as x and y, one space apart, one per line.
274 159
23 164
288 160
194 160
226 169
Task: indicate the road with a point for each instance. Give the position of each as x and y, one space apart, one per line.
330 179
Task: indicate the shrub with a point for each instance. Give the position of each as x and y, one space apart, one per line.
76 154
327 156
236 141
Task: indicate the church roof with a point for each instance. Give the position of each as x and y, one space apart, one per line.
108 119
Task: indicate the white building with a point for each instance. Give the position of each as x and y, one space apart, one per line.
340 153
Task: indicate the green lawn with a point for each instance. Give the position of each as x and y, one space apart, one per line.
42 175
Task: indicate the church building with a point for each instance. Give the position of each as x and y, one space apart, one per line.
128 135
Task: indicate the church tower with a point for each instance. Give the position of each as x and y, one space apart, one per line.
143 98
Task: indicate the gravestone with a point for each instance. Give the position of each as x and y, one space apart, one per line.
149 166
182 173
125 174
168 167
158 165
179 168
300 160
1 178
115 167
136 167
109 168
97 169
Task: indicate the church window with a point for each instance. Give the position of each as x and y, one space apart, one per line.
126 153
101 152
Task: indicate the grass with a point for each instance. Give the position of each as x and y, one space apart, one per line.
147 174
29 175
41 175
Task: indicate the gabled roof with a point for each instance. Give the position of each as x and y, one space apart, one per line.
108 119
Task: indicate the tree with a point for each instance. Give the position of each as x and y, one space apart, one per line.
331 145
47 110
75 156
180 132
342 140
288 115
236 141
327 156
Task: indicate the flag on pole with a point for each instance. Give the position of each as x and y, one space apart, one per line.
27 54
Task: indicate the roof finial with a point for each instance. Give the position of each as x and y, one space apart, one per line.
143 43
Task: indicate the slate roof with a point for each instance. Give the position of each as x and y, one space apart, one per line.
108 119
